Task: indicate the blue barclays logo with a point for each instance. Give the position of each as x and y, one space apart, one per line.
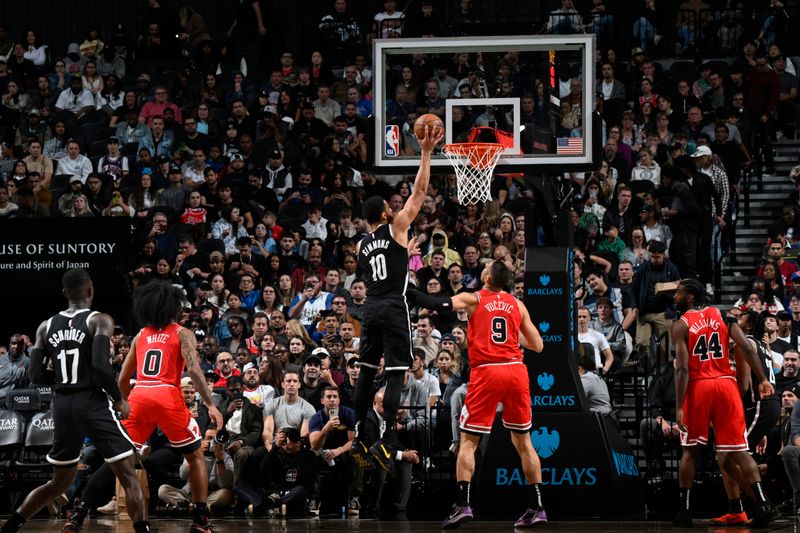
544 327
585 477
544 279
545 381
545 289
625 464
545 441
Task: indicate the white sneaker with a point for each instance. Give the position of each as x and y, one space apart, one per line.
657 39
110 508
710 289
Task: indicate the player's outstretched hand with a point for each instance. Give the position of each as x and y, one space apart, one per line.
765 389
124 409
216 416
413 247
433 136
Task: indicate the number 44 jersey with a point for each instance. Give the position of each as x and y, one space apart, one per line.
158 357
709 356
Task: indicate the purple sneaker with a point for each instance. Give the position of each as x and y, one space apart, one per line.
457 516
532 518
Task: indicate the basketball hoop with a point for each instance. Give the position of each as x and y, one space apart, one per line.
474 164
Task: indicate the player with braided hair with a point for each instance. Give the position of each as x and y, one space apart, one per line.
707 393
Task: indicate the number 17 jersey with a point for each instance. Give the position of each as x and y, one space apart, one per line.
158 357
709 356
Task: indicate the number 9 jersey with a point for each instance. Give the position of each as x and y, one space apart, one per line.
493 332
709 356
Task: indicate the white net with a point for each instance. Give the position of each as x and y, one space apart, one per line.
474 164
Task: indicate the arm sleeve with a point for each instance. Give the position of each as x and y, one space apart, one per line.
102 367
436 303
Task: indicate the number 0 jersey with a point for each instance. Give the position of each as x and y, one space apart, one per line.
158 357
383 263
69 346
708 344
493 332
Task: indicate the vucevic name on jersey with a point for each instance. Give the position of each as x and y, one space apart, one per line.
383 263
69 346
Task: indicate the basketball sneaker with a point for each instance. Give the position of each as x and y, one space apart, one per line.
731 519
458 516
382 454
361 455
766 513
531 518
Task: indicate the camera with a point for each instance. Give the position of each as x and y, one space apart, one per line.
222 436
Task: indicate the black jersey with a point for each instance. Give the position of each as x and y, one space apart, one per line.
69 346
383 263
764 355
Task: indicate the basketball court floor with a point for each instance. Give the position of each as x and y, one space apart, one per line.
356 525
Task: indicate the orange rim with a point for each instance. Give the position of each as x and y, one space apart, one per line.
479 155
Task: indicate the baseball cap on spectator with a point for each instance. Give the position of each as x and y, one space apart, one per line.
205 285
701 151
74 179
637 51
33 111
210 372
231 124
320 353
119 330
784 315
204 307
214 256
247 367
313 356
113 140
263 92
796 389
291 434
143 77
163 159
767 314
269 110
186 382
236 156
448 337
647 207
289 121
353 359
275 154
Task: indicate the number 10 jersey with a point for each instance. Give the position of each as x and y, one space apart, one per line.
709 355
383 263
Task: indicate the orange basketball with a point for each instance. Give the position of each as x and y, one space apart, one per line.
428 119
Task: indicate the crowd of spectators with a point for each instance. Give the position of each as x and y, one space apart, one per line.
247 194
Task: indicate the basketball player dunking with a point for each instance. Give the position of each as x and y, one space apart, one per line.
498 375
386 329
707 393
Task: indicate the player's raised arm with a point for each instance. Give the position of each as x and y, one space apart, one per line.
463 301
404 217
531 337
39 374
190 357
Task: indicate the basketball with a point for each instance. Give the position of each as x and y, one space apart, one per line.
428 119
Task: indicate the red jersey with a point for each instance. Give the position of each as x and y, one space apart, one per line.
708 345
158 356
493 332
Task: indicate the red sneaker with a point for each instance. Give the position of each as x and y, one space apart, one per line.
731 519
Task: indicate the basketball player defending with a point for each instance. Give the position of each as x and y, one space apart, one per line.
707 393
76 342
158 354
498 375
386 329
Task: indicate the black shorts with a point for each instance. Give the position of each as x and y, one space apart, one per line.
386 331
86 413
759 419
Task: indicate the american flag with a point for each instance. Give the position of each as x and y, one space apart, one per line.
569 146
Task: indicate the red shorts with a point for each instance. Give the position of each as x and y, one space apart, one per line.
160 406
714 401
490 384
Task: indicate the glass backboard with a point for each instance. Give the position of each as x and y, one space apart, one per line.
530 89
